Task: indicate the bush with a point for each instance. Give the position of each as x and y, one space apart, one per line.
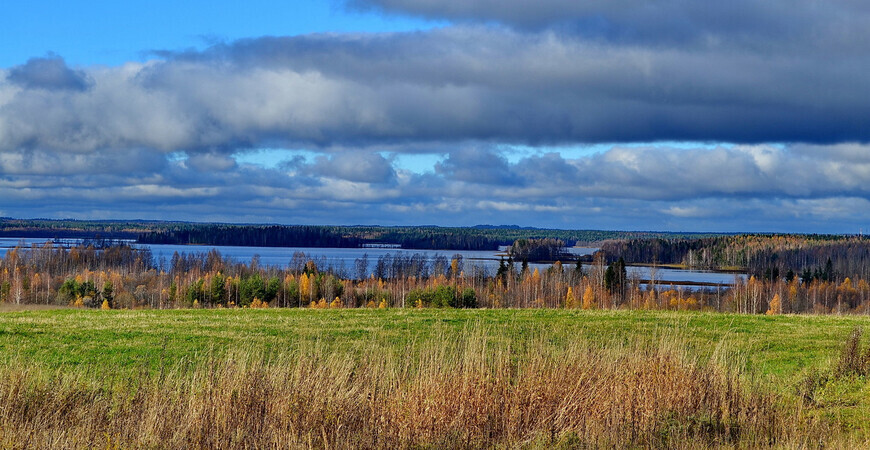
442 297
853 361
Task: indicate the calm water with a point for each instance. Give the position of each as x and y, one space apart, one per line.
345 258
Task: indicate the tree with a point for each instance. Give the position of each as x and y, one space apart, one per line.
610 278
108 293
501 274
272 289
304 287
537 250
218 289
588 298
291 289
570 301
455 265
775 306
615 276
829 271
469 298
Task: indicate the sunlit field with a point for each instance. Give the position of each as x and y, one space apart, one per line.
441 378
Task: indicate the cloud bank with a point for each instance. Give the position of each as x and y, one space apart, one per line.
727 188
774 91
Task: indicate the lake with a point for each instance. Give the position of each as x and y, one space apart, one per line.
344 259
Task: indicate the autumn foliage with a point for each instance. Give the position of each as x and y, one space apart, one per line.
124 277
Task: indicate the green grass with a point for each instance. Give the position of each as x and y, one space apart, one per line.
782 346
775 352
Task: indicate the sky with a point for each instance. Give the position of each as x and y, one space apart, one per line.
674 115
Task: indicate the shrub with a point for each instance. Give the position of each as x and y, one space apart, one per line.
442 297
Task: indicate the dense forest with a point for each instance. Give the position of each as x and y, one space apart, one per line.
122 276
534 250
482 237
422 237
829 257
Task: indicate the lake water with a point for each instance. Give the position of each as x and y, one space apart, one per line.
344 259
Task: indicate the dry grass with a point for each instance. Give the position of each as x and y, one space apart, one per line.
468 391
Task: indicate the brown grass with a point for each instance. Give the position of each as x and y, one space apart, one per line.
853 361
468 391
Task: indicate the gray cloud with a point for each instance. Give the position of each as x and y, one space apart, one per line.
774 24
449 85
673 174
50 73
477 165
56 164
102 141
364 167
210 162
729 188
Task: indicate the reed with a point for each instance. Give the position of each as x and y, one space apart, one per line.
472 389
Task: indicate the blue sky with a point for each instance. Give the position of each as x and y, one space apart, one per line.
115 32
684 116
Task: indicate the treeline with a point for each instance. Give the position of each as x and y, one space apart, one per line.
320 236
826 257
252 236
435 238
45 228
481 237
409 237
125 277
535 250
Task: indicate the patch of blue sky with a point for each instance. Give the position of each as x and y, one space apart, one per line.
416 163
176 156
111 32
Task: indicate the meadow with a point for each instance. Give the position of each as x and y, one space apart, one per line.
429 377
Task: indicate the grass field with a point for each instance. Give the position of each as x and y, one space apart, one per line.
100 349
71 338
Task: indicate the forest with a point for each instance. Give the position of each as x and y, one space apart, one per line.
123 276
481 237
826 257
408 237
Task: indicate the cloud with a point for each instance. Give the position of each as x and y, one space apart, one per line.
363 167
673 174
774 91
50 73
56 164
772 24
446 86
477 165
210 162
726 188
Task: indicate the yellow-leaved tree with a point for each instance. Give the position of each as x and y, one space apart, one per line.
775 306
305 287
588 298
570 301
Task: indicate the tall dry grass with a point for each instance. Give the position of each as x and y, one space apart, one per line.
469 391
